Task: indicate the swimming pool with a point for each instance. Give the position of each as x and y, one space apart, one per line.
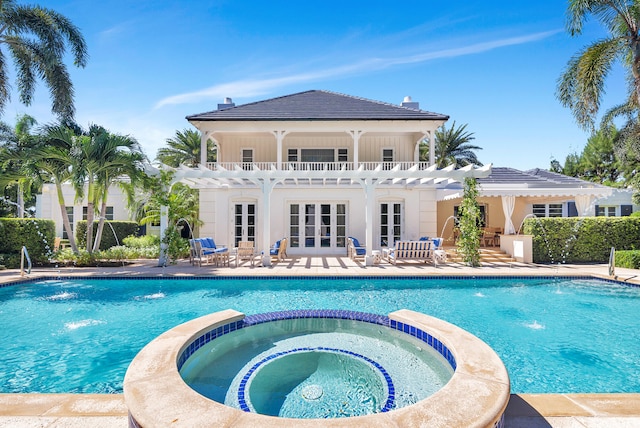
553 334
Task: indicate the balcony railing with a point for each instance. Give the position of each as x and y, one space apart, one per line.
316 166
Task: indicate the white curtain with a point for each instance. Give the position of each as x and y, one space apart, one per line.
508 205
583 202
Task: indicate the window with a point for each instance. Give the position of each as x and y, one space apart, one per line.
108 214
294 228
247 159
387 158
65 235
547 210
604 211
317 155
391 219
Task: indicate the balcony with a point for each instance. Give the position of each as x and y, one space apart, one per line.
316 166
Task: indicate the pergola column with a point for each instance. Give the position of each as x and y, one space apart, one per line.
267 185
369 208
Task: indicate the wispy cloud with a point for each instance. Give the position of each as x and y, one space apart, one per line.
255 87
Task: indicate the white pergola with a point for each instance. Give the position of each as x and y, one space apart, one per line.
268 179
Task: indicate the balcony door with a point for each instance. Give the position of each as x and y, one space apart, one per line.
317 228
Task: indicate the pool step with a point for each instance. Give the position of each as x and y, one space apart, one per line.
487 256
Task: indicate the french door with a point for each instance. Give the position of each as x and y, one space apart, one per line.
245 222
318 228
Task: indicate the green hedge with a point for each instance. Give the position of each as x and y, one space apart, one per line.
628 259
122 229
35 234
581 239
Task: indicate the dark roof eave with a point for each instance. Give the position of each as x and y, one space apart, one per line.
309 119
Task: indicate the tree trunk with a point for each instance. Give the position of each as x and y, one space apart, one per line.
20 201
90 209
65 219
103 213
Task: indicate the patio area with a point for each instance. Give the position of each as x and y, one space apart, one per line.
524 410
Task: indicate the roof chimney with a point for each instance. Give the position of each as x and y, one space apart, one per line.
227 103
407 102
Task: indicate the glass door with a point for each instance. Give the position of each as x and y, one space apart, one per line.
244 222
317 228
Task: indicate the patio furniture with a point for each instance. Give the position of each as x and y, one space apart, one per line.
491 236
354 249
245 252
410 250
279 250
212 252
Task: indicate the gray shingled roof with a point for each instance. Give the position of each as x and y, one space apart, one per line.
540 178
318 105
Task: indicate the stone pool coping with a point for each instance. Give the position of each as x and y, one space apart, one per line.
476 395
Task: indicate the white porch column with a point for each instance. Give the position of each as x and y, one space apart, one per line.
164 223
369 189
279 138
203 148
416 150
432 149
356 140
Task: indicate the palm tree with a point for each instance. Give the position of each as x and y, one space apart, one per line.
452 147
36 38
184 149
18 143
126 160
581 87
54 160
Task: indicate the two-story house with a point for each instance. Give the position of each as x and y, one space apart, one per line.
317 167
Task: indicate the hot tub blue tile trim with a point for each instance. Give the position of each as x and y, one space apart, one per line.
388 405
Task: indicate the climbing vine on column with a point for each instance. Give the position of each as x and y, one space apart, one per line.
468 243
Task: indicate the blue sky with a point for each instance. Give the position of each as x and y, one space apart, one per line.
492 65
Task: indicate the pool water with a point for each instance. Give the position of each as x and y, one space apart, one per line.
554 335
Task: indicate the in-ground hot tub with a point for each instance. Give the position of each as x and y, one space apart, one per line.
407 369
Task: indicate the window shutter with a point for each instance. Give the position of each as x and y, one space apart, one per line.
572 211
597 206
626 210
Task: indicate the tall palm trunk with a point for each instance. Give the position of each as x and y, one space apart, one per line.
90 209
20 201
65 218
103 213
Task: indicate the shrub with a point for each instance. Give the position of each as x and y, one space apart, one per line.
628 259
122 229
581 239
35 234
141 241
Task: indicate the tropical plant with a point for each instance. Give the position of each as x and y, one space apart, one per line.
53 161
184 149
15 159
582 84
452 146
37 39
468 243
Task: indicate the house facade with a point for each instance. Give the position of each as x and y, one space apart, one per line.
47 206
317 167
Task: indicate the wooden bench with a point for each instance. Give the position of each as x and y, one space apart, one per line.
410 250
